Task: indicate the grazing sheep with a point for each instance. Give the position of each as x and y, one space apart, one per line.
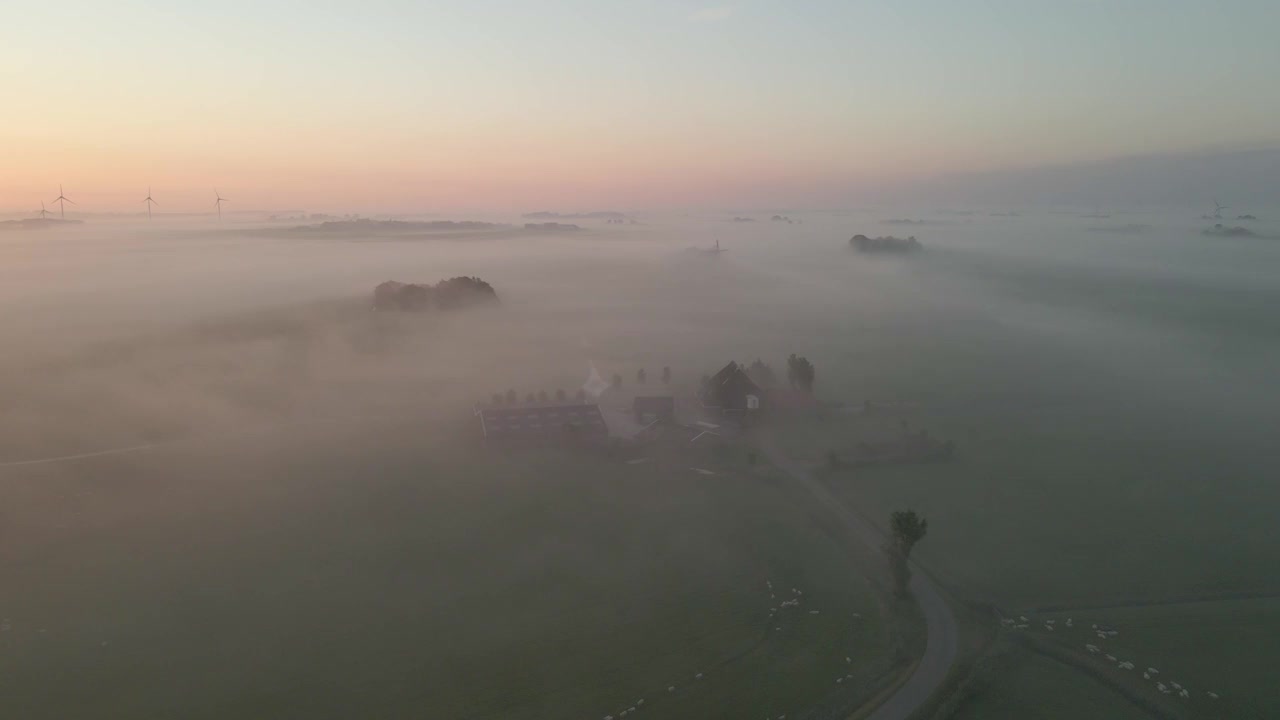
671 688
698 676
1184 693
839 680
1110 658
1023 618
813 612
1091 647
1146 676
1213 695
1176 686
631 709
846 659
639 702
1048 627
1153 671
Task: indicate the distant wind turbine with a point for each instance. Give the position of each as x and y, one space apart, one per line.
149 202
218 203
62 200
43 212
1217 209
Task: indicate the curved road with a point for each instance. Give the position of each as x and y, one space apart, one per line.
940 646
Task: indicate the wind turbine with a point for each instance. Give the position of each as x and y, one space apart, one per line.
62 199
149 202
1217 209
43 212
218 203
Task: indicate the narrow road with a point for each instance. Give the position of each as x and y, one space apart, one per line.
941 646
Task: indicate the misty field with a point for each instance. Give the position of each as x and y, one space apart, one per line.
373 571
316 525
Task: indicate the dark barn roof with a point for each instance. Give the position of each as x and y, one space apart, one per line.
546 421
729 388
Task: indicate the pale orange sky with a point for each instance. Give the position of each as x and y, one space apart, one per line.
578 105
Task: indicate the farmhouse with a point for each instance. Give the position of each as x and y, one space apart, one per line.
732 391
545 422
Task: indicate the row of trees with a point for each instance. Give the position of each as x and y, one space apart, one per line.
642 377
541 397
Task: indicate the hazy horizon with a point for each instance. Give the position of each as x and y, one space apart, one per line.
579 105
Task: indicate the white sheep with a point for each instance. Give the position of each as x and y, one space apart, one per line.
839 680
671 688
1153 671
846 659
813 612
1110 658
1048 627
698 676
1213 695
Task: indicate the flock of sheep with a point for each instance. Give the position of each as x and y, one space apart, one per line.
1103 633
793 601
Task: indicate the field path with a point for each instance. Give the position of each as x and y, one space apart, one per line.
940 647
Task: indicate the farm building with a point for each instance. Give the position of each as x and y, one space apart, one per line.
546 422
732 391
654 407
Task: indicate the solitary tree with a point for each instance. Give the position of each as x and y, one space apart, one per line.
560 396
640 377
906 529
666 375
800 373
511 397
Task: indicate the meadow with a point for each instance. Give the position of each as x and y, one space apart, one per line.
284 574
322 528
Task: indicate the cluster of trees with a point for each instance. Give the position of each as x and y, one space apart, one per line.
800 373
447 294
511 397
906 529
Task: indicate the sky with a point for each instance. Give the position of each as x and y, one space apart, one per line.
398 106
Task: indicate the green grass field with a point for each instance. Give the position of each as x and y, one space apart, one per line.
1226 647
287 576
1033 687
